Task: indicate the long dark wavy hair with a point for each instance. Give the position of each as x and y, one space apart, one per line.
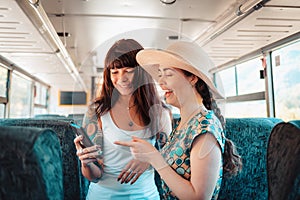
232 160
122 54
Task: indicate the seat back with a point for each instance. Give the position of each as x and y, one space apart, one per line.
73 182
30 164
283 162
49 116
295 122
250 135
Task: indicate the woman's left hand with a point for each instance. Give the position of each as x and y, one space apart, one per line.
132 171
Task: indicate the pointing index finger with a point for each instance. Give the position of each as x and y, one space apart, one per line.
123 143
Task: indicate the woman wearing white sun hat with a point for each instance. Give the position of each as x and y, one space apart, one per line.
192 162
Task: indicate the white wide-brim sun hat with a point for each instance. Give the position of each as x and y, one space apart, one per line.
182 55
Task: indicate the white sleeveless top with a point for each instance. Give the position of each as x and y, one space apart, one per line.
117 157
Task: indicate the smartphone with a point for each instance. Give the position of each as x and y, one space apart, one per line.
85 142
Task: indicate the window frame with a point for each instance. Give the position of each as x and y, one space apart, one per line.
266 54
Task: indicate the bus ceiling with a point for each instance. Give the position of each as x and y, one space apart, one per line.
63 42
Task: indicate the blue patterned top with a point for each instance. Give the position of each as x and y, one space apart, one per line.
178 148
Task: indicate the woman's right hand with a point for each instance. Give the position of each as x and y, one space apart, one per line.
88 155
91 160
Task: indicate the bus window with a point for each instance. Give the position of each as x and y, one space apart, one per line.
2 110
248 77
3 79
246 109
39 111
244 90
20 104
40 99
40 94
229 82
3 90
286 73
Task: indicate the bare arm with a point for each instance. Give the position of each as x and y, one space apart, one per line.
91 157
205 163
91 160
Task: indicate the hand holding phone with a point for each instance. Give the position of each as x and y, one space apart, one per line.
85 142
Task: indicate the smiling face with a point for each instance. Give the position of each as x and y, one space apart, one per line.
122 79
176 85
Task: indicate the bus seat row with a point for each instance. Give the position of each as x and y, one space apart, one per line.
253 138
49 116
270 150
77 118
30 164
74 184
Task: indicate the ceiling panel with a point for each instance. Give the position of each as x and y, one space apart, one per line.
262 27
93 22
24 45
37 63
94 25
203 9
17 34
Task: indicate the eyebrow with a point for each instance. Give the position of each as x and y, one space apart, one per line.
125 68
166 69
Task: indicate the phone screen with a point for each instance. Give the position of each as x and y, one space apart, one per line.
85 142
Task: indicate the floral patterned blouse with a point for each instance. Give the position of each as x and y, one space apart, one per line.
178 147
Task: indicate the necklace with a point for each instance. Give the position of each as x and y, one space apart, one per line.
124 117
129 107
130 123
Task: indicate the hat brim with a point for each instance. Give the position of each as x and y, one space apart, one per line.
151 59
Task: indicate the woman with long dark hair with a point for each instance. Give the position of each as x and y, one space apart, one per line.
128 106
